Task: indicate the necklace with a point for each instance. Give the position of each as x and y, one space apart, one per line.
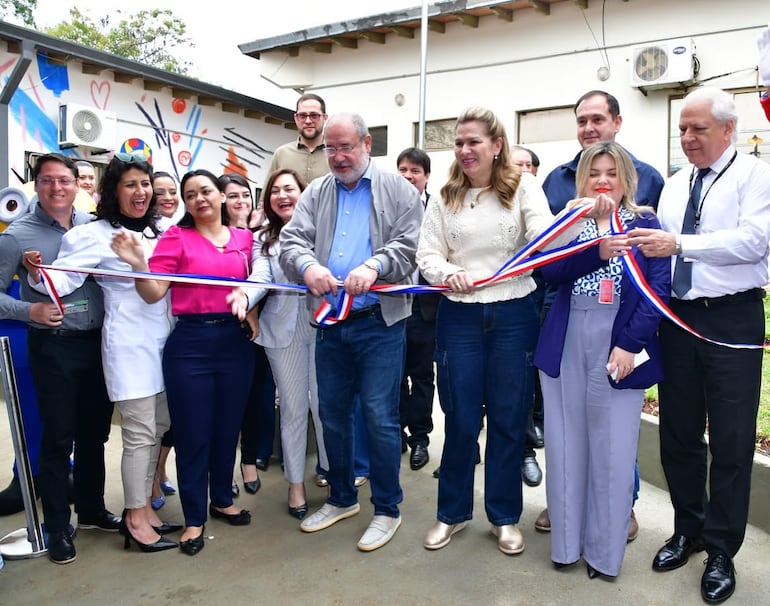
475 194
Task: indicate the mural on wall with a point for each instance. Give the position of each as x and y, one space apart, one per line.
176 134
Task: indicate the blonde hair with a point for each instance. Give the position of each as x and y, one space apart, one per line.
505 175
624 168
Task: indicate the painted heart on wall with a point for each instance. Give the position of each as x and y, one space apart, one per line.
100 93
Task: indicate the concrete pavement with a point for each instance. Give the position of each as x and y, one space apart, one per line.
272 562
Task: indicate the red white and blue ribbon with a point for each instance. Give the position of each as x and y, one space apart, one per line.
631 265
525 260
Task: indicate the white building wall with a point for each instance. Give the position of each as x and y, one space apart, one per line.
534 62
179 133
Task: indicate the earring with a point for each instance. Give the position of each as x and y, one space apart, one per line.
495 157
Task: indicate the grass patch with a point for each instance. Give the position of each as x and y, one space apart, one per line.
763 416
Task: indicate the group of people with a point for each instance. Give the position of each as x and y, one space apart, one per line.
593 330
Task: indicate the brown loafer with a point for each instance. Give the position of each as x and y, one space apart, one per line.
543 521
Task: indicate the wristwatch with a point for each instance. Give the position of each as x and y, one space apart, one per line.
373 265
678 246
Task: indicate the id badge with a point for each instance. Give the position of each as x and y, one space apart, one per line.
606 291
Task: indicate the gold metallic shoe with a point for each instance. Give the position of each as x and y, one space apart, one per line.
440 534
509 539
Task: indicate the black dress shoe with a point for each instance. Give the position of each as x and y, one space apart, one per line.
592 572
193 546
562 565
166 528
437 472
675 553
234 490
242 518
262 464
104 520
718 581
530 471
419 457
539 437
61 549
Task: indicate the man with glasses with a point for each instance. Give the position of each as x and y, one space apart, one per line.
352 228
64 358
305 154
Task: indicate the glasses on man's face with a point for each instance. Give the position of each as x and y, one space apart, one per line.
63 181
314 116
131 158
342 149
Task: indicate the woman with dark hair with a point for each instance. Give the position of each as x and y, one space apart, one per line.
208 361
133 335
239 203
288 338
258 427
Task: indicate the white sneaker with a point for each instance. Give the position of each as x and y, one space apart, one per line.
380 531
360 481
328 515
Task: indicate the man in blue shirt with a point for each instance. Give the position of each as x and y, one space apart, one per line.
352 228
598 118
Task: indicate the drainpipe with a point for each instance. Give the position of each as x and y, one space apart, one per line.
7 92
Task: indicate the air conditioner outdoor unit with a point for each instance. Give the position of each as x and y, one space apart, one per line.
666 64
86 127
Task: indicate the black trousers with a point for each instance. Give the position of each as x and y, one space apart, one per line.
417 383
74 407
719 385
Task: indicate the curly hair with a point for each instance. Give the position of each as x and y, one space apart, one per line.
108 207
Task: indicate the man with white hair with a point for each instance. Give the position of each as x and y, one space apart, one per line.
354 227
715 216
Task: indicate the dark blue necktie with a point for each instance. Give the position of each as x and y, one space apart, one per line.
682 280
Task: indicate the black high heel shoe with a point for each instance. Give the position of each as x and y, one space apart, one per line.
298 512
162 544
193 546
166 528
251 487
592 572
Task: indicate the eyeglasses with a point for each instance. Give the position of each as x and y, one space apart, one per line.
302 116
52 180
342 149
131 158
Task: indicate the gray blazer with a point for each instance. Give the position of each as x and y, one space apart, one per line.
278 318
394 226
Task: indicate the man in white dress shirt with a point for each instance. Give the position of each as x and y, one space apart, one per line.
719 249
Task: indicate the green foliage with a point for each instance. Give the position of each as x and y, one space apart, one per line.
21 8
146 36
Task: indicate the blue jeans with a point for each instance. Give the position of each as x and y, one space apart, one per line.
484 356
362 356
360 448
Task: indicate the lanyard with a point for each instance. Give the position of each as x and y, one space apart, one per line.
699 207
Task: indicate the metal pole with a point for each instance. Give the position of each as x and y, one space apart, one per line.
423 73
26 542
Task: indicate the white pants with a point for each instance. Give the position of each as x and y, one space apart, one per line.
294 373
